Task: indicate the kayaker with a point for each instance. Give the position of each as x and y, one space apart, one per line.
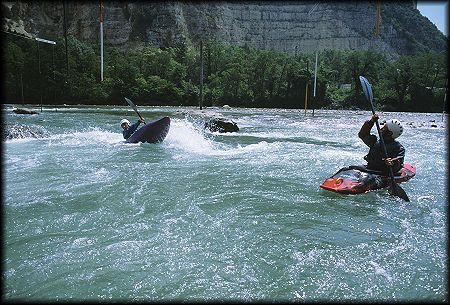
129 130
390 131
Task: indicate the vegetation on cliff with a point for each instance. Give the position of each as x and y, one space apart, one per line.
237 76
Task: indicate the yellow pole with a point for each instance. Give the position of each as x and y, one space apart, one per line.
377 25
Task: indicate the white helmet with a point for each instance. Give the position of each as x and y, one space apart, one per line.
395 127
124 121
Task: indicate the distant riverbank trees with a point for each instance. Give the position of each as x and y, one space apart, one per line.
237 76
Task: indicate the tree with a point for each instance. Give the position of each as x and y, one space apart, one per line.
366 63
429 75
239 76
14 61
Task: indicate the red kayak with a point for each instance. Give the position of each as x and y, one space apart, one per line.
358 179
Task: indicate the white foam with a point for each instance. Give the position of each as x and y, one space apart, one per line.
187 137
22 140
87 137
381 271
184 135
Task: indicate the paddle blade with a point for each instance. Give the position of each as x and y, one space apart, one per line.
131 104
396 190
367 88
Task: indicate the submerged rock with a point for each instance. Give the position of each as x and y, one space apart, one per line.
221 125
24 111
22 132
213 121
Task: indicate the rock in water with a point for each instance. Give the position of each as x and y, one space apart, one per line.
221 125
24 111
22 132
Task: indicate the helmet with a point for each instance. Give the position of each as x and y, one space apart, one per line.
395 127
124 121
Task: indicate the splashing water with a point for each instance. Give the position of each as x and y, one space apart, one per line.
209 216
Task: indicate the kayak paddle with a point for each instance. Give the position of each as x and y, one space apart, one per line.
394 188
134 108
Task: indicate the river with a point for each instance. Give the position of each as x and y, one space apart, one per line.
207 216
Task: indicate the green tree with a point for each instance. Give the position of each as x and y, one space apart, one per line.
401 75
239 76
14 62
429 74
366 63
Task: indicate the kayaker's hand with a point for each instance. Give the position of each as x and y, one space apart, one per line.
390 161
374 118
141 120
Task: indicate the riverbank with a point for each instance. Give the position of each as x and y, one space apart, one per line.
436 120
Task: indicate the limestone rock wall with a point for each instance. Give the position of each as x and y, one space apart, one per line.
285 26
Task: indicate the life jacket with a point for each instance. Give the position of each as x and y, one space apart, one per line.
376 155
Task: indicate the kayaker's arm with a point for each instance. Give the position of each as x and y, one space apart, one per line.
364 133
134 126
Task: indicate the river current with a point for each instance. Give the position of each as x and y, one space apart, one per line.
207 216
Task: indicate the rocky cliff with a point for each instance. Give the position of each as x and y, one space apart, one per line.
285 26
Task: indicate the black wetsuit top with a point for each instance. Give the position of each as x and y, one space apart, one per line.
376 154
130 130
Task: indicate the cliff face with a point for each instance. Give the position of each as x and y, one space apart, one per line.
289 26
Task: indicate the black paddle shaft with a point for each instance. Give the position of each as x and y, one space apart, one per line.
381 138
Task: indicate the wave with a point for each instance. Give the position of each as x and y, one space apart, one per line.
88 137
190 136
25 132
75 138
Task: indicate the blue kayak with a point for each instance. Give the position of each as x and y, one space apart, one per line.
153 132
